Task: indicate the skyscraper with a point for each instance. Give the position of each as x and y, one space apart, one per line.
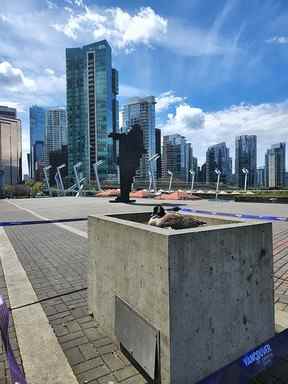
10 150
176 156
260 177
92 87
246 157
37 141
158 150
217 156
275 159
56 129
142 111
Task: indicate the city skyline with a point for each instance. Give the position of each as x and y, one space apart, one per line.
209 92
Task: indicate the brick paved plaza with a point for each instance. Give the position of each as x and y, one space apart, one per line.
54 257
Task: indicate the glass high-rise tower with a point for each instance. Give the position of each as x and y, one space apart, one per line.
275 160
177 156
246 157
37 117
142 111
217 156
92 108
10 148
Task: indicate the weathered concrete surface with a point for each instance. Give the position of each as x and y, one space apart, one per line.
129 260
221 297
208 290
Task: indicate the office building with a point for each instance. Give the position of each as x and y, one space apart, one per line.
202 173
8 112
176 156
56 158
217 157
194 167
37 117
275 159
92 88
10 150
56 129
246 157
158 150
142 111
261 178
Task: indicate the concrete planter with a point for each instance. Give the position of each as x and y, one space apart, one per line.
205 295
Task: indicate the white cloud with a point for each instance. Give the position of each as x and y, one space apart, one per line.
51 5
79 3
278 40
166 99
185 120
122 29
50 71
4 18
13 78
268 121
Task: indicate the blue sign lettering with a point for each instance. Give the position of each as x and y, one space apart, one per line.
256 355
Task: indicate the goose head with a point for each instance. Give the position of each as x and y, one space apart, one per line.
157 215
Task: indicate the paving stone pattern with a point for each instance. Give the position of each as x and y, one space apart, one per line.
4 370
55 261
280 255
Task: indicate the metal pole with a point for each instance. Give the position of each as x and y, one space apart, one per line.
57 183
45 169
245 186
217 188
60 177
193 178
218 172
132 185
170 182
95 166
150 181
118 175
245 171
75 168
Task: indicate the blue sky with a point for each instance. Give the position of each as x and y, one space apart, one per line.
217 68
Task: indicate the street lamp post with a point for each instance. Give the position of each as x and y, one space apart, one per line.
56 178
245 171
46 169
60 178
171 178
133 184
193 178
218 172
152 179
77 179
95 166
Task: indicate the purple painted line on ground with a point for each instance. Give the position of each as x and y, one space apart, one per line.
17 376
236 215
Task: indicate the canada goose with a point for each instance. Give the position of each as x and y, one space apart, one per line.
174 220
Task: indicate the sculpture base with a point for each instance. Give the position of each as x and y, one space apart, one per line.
122 200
